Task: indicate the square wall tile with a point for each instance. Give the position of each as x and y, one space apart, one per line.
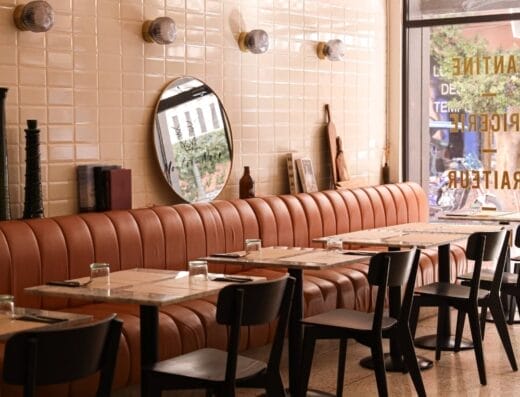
92 83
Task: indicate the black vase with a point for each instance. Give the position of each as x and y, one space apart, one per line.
5 211
33 205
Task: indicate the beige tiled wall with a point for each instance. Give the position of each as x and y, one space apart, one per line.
92 84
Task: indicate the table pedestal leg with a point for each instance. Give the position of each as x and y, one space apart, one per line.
149 323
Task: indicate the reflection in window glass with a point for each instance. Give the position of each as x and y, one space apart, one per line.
474 123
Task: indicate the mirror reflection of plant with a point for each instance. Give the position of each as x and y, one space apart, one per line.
210 152
449 42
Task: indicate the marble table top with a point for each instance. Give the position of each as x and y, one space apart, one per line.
155 287
289 257
28 319
420 234
482 215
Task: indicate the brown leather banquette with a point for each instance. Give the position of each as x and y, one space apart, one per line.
35 251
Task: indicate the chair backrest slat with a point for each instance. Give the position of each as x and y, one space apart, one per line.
400 268
393 269
487 246
261 302
494 242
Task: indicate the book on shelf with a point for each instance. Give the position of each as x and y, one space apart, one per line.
86 188
306 174
292 172
118 188
100 183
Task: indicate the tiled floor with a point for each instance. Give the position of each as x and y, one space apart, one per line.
454 375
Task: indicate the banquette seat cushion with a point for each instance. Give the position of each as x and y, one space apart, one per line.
166 237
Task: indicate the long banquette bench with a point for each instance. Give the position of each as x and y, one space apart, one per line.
35 251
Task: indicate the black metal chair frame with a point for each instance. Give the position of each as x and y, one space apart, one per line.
388 269
220 372
481 246
54 356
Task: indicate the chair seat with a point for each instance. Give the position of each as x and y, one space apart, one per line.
486 276
207 364
348 319
448 290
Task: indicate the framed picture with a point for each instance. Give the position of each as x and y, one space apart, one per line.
292 172
306 173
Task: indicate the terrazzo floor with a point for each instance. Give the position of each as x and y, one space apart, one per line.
454 375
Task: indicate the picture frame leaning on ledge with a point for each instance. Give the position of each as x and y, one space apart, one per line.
306 174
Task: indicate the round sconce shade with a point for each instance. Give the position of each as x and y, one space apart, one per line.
255 41
161 31
333 50
35 16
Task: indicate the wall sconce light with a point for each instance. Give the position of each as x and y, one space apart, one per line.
333 50
161 31
36 16
255 41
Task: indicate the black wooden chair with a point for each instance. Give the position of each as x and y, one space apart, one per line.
219 372
387 269
482 246
53 356
510 286
496 284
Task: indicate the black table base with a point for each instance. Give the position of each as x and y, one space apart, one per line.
310 393
448 343
395 365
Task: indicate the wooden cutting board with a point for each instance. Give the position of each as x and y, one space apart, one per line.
331 136
341 164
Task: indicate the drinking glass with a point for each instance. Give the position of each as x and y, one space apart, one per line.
253 245
334 244
7 305
100 273
198 271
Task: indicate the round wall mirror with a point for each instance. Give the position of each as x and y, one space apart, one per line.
192 140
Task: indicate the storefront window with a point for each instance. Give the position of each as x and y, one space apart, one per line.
463 99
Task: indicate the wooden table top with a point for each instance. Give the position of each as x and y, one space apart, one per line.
419 234
482 215
289 257
28 319
154 287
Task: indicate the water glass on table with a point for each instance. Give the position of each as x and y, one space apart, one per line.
198 271
252 245
7 306
100 273
334 244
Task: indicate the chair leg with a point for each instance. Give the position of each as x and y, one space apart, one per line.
410 358
379 366
477 343
414 316
500 322
440 327
309 341
152 390
274 386
342 356
483 319
461 317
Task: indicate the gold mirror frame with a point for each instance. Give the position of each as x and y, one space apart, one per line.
192 138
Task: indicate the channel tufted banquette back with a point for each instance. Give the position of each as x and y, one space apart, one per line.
35 251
